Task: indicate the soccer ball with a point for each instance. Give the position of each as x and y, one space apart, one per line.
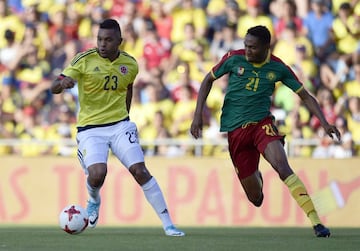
73 219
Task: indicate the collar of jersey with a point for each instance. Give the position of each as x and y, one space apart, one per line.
261 64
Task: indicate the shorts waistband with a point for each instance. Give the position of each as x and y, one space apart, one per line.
83 128
248 124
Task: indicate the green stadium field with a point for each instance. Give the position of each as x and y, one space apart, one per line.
197 239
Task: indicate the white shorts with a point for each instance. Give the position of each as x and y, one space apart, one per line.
121 138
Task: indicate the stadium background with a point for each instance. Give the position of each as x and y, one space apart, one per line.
39 171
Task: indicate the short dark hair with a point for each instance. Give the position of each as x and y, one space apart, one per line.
110 24
345 6
9 35
261 32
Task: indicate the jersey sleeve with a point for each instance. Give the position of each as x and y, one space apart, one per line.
222 67
134 72
74 69
290 79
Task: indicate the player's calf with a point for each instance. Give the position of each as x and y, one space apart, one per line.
253 188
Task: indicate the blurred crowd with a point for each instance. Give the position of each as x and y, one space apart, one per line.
176 42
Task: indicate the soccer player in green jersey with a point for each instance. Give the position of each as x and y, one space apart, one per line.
249 124
104 77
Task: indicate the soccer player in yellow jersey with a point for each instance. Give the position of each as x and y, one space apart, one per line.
104 77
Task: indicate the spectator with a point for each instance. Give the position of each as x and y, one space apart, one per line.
11 21
324 150
131 16
63 130
133 43
225 40
185 50
28 129
317 26
201 64
305 68
7 54
287 43
327 104
297 126
117 8
288 14
137 110
215 12
335 4
155 131
155 102
62 52
345 148
352 87
156 53
33 76
36 29
162 19
88 24
254 16
334 72
183 71
221 14
57 18
232 12
346 30
302 8
352 116
336 149
182 116
183 13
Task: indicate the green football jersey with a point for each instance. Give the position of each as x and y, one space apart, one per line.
102 86
250 87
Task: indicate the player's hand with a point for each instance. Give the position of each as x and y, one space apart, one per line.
67 83
196 127
333 132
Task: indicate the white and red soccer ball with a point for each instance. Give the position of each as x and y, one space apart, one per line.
73 219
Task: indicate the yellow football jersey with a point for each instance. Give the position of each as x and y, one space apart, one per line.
102 86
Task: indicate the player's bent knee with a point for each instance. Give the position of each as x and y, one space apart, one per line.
140 173
97 176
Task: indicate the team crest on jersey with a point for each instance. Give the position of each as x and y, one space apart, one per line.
240 71
271 76
123 69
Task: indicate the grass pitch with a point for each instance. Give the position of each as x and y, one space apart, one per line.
197 239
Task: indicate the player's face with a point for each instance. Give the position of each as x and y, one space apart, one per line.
108 42
255 51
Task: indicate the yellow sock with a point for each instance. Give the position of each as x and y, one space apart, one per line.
299 193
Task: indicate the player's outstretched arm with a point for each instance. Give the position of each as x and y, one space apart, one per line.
315 109
197 123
